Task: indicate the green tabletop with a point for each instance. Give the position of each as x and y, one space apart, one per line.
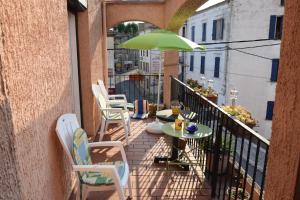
203 131
167 116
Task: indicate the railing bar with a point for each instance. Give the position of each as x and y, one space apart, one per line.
228 158
255 168
264 174
223 147
247 164
232 168
240 161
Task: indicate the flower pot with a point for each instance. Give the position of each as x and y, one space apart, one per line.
136 77
213 99
239 194
210 161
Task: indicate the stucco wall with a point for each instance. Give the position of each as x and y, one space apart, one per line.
35 60
284 155
92 66
8 170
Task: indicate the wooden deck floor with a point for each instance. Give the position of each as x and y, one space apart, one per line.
149 180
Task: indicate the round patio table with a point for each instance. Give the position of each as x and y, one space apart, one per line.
169 129
167 116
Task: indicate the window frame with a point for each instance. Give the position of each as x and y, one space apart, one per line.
202 64
192 63
217 72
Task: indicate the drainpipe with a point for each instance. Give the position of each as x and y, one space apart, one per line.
227 52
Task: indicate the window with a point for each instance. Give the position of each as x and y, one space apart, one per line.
282 2
218 29
275 29
192 63
202 65
147 52
204 32
193 34
270 106
217 67
183 31
274 71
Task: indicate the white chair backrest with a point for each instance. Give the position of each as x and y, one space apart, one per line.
103 89
65 128
101 101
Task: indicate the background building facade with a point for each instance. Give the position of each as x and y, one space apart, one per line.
247 56
253 71
210 24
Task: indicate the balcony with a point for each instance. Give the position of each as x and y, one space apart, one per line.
234 156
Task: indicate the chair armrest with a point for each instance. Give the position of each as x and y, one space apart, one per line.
123 102
118 96
108 169
110 144
114 110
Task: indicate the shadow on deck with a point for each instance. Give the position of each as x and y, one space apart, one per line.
149 180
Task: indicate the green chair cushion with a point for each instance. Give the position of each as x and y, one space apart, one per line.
96 178
81 156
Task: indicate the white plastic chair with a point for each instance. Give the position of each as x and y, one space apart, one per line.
111 115
115 100
65 128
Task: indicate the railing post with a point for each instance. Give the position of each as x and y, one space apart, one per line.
216 155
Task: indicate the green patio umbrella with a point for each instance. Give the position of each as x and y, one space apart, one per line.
162 40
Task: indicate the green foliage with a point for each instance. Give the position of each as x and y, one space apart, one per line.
130 29
121 28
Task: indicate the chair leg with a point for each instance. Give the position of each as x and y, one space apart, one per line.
128 123
126 132
129 187
84 192
120 192
103 129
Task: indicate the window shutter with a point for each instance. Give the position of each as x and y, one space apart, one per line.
214 31
270 106
217 67
193 33
222 30
202 67
274 72
192 63
204 32
272 28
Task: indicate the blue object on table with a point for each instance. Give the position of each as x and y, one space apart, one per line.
192 128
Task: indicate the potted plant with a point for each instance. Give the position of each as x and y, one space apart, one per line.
138 76
237 193
223 157
241 114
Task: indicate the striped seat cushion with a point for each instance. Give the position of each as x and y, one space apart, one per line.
96 178
81 156
141 109
117 116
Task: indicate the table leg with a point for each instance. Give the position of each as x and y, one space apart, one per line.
174 155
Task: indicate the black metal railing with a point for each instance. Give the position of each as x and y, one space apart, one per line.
136 86
234 158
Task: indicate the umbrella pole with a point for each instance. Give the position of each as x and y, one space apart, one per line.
156 126
159 80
